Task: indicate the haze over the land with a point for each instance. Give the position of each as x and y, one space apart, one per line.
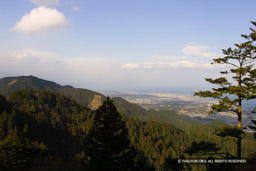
120 44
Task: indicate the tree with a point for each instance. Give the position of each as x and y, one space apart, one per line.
14 155
108 146
240 63
253 128
4 105
209 150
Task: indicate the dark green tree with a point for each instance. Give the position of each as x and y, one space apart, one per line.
209 150
253 128
14 154
4 105
238 81
107 144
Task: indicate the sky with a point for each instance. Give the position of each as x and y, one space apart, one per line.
132 45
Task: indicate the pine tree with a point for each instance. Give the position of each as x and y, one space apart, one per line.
240 63
108 146
253 127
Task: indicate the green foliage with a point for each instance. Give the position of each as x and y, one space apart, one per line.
107 144
240 63
202 147
4 105
12 84
43 117
228 131
14 154
253 127
81 96
129 109
62 125
158 141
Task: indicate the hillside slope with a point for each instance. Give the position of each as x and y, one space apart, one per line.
85 97
82 96
11 84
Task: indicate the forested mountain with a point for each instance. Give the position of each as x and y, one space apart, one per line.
42 128
46 130
84 97
47 119
128 108
11 84
92 100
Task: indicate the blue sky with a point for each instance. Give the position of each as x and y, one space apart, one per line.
150 45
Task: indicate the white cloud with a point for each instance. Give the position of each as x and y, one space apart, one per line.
130 65
181 64
40 19
75 8
163 64
45 2
157 58
29 54
196 50
196 58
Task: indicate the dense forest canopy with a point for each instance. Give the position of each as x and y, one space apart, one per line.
59 126
48 131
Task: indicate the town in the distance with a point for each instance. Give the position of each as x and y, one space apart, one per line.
187 105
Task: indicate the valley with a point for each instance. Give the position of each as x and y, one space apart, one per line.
184 104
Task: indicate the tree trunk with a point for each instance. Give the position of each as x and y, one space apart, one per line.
239 139
240 115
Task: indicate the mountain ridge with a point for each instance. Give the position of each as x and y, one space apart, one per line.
84 97
11 84
92 100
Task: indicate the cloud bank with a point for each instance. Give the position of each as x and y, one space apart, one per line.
40 19
180 72
159 64
198 51
77 71
196 58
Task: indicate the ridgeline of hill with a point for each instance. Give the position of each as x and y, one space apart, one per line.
90 99
82 96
